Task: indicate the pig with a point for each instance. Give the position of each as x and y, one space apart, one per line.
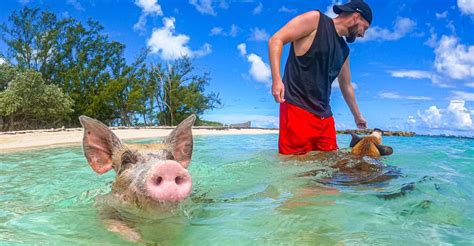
370 145
360 166
147 175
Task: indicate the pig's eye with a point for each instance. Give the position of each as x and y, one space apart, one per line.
128 158
169 155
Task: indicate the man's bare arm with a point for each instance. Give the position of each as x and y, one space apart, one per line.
349 95
298 28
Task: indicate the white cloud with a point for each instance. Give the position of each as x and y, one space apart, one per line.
224 4
451 26
329 12
469 84
234 30
411 119
460 116
453 59
257 10
259 34
284 9
335 85
402 27
259 70
441 81
461 95
140 25
2 61
205 50
431 117
216 31
171 46
433 40
242 49
418 98
76 4
412 74
466 6
442 15
204 6
390 95
149 8
395 95
456 116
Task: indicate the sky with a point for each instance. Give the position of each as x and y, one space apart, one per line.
413 70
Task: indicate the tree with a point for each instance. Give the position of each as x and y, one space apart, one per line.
75 56
7 73
92 73
30 103
180 92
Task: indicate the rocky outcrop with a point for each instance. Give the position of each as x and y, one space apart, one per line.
385 133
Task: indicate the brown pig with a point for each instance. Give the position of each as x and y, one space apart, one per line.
370 145
355 168
147 175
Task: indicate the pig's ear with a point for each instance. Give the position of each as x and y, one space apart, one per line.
355 139
180 141
99 144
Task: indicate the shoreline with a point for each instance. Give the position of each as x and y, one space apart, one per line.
18 141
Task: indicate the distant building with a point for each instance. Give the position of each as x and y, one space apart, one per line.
241 125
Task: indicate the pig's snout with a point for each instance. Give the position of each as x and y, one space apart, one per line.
168 181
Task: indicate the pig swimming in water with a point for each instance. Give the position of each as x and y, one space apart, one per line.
360 166
147 175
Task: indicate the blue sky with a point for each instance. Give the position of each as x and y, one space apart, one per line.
414 70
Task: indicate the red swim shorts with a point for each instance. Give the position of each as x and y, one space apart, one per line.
302 131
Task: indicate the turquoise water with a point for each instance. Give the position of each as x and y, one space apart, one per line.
243 194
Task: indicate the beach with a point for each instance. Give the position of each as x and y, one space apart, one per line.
37 139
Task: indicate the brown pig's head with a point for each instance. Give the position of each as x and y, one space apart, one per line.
370 145
145 173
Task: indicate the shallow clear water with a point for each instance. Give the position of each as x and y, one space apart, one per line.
243 194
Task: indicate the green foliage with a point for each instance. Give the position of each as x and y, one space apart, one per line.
200 122
91 71
30 103
7 73
181 92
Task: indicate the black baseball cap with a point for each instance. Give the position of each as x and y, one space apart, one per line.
358 6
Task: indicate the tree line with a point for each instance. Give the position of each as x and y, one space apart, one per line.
60 68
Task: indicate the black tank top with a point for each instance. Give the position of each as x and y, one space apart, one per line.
308 78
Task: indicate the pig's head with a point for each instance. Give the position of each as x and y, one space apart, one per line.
145 173
370 145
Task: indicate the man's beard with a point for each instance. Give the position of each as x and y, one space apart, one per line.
352 34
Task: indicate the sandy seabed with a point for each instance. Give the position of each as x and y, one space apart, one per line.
19 141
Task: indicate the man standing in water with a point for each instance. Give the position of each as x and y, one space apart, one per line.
318 55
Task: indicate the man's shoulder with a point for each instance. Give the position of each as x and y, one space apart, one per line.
314 13
319 13
312 17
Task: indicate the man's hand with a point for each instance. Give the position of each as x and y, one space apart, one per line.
360 122
278 91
